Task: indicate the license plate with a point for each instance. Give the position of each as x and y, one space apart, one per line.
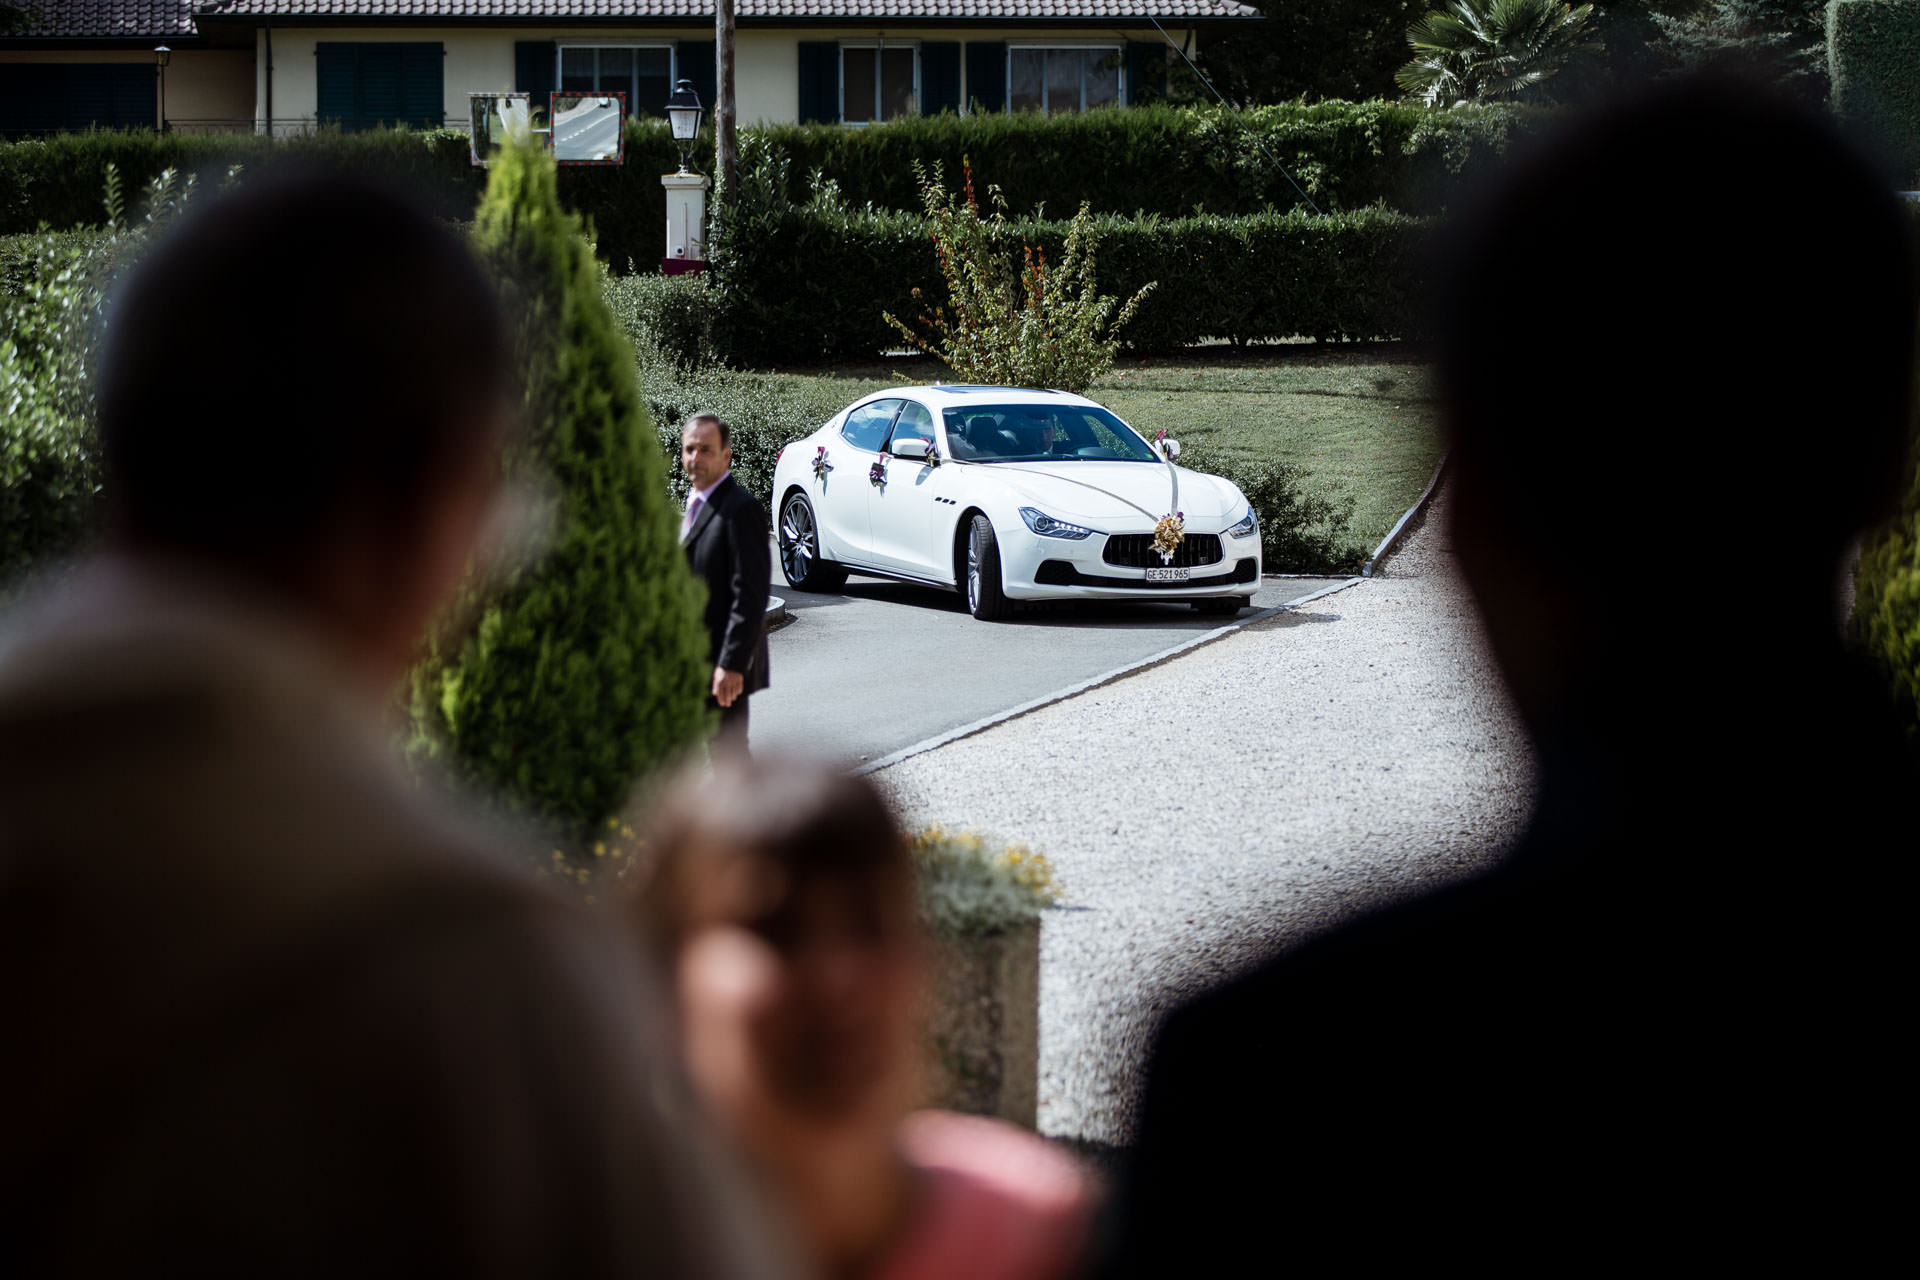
1168 575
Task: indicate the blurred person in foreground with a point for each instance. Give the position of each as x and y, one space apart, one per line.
1663 1033
781 895
269 1010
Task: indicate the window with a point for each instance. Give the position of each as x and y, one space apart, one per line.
916 421
1062 80
866 427
1042 433
878 82
643 72
371 86
48 97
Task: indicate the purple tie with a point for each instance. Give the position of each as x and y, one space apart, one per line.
693 509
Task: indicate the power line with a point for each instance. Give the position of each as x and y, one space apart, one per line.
1236 113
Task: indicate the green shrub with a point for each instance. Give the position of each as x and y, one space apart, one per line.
1886 602
672 316
51 313
974 886
1034 326
806 284
578 673
763 412
1159 160
1873 58
1300 532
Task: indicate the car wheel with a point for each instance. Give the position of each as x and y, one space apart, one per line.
1226 606
800 550
985 600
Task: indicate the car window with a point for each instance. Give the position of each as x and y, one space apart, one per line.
915 421
1042 433
866 427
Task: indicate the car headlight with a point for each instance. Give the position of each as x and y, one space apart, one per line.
1047 527
1244 527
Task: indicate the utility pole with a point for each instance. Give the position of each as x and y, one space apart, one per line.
724 140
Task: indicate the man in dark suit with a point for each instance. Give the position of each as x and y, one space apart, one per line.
726 540
1663 1034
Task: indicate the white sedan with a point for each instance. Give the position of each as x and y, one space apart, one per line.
1008 494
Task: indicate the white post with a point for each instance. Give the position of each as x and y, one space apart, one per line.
686 215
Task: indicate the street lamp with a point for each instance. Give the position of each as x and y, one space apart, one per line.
161 56
683 117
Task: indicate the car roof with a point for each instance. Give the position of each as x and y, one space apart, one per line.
945 395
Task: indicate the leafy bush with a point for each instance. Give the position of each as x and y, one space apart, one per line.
1034 328
1886 602
51 313
1299 532
1158 160
1873 57
804 284
581 672
1494 50
672 316
973 886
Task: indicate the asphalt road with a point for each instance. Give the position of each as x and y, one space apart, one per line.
881 665
588 131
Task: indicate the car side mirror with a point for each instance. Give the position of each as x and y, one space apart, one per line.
1169 448
910 447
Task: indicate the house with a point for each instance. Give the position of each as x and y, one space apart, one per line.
282 65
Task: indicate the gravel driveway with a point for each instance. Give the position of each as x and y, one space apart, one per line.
1236 799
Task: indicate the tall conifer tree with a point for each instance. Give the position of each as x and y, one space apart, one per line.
578 673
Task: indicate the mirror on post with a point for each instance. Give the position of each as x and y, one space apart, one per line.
492 118
588 128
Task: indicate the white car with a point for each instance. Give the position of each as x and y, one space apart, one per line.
1008 494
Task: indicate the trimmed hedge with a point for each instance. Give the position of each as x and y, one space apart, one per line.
1157 160
806 285
57 180
1873 57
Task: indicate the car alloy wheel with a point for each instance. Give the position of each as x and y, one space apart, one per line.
985 599
800 549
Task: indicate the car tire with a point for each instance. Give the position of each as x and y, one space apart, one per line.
1226 606
985 600
800 560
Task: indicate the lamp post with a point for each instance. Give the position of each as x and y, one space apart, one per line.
683 117
161 56
686 192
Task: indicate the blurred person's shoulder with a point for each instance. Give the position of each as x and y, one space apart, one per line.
996 1203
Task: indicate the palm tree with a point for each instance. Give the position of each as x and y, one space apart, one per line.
1483 50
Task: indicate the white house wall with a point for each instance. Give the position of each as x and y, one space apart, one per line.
766 62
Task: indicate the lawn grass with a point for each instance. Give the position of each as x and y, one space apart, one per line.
1357 419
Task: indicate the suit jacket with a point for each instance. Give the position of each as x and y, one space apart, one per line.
272 1009
727 549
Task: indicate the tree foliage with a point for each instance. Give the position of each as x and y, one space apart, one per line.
1034 326
575 674
1886 606
1494 50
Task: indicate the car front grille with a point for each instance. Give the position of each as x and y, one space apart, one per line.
1135 551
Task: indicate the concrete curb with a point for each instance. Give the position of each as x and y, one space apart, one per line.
777 613
1085 686
1393 535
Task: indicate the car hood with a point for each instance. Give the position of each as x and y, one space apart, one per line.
1094 493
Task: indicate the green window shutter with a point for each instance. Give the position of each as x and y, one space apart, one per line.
423 85
819 82
534 62
1146 72
337 78
694 61
939 76
987 74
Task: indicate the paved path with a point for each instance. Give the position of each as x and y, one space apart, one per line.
866 671
1235 799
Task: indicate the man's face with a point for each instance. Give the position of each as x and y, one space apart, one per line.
702 455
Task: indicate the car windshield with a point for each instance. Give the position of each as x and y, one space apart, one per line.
1042 433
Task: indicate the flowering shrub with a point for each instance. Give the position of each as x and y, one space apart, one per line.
1038 327
972 885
